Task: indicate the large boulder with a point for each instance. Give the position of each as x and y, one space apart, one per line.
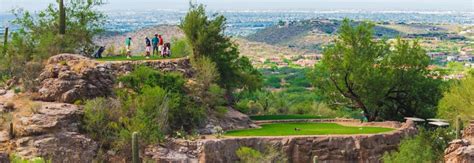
231 120
48 118
68 78
59 147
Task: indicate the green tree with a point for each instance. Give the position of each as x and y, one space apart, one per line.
385 81
458 100
43 31
38 36
207 39
427 146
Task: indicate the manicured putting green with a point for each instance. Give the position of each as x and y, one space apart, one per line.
283 117
286 129
133 58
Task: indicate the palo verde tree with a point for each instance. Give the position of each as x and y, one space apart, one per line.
207 39
385 80
458 100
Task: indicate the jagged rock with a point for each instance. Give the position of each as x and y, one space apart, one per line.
60 147
68 78
175 151
461 150
230 121
48 118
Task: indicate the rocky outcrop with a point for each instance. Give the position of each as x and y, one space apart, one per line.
232 120
48 118
175 150
50 131
68 77
59 147
461 150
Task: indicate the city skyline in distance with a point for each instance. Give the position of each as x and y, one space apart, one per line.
256 5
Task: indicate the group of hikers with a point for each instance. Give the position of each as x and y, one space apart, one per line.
157 43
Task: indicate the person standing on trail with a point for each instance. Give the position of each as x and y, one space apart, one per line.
155 42
160 43
128 46
148 47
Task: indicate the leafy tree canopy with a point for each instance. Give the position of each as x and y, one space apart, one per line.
207 39
458 100
386 81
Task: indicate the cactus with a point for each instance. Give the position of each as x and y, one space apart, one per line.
5 41
62 18
11 131
458 127
135 150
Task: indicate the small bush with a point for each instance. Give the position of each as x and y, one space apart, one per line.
180 48
273 81
269 155
17 159
145 76
110 50
427 146
103 119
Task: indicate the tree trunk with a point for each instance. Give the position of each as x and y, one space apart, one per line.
62 18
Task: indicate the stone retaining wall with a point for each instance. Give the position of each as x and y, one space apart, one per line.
340 148
298 149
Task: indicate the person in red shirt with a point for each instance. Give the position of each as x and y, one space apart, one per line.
160 44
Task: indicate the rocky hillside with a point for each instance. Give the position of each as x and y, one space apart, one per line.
256 51
48 123
312 35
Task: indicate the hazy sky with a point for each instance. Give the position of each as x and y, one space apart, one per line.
424 5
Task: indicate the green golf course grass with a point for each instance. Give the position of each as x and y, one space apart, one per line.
287 129
283 117
134 58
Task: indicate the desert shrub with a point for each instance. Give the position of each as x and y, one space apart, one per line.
180 48
102 120
185 114
151 117
110 50
248 155
122 51
242 106
32 70
145 76
273 81
17 159
188 116
427 146
269 155
204 88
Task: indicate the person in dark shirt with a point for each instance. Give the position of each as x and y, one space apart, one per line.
148 47
99 52
155 42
